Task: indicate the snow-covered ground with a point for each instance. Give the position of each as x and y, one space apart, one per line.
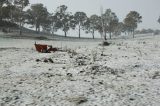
126 74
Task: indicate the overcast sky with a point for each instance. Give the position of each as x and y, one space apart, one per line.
149 9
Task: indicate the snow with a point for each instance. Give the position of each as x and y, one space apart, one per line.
127 74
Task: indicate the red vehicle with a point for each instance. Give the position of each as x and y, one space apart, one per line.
43 48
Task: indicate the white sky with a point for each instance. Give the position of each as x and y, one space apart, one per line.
149 9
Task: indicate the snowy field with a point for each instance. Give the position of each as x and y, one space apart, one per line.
126 74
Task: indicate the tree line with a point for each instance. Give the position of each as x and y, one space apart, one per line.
61 19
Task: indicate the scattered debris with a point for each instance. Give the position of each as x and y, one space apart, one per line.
38 60
7 99
78 100
136 66
69 75
50 60
156 75
48 75
45 60
105 43
131 99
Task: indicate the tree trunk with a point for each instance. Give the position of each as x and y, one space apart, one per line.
20 28
65 34
110 35
133 33
1 13
52 33
20 31
79 31
105 36
93 34
52 28
38 30
21 11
